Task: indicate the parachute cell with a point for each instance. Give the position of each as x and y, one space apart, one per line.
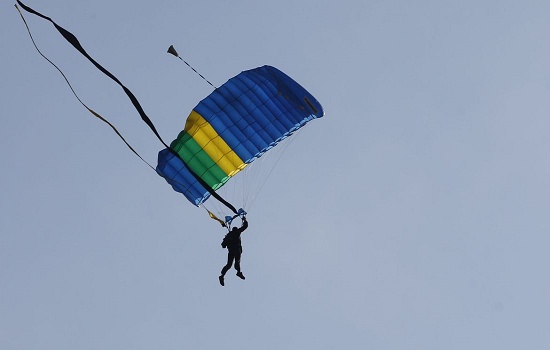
235 124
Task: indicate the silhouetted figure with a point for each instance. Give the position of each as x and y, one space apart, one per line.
232 241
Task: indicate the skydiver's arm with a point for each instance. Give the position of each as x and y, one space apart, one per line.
244 226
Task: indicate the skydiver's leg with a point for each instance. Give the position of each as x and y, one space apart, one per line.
238 265
238 261
230 258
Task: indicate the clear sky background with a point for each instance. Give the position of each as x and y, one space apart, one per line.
414 215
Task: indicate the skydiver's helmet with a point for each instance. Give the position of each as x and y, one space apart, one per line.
234 229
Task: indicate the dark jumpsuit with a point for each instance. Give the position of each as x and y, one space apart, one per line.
232 242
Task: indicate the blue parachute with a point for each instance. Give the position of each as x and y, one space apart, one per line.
235 124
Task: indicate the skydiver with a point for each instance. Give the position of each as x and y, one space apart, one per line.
232 241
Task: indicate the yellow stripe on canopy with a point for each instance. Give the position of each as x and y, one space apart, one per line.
212 143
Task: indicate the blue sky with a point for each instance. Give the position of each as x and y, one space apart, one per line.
414 215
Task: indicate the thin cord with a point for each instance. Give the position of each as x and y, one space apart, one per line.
172 50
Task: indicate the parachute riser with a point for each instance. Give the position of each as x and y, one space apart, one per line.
229 219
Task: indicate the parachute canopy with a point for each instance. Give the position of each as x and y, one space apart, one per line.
235 124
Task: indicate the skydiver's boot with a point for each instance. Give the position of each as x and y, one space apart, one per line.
240 274
221 280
